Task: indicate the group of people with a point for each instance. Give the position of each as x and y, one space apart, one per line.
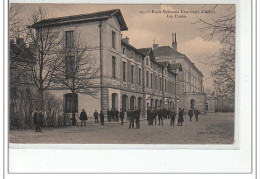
84 117
38 120
195 112
161 114
133 117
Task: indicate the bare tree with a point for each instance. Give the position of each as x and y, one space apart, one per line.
47 45
224 29
78 72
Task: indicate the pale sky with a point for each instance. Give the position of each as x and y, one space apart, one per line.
145 28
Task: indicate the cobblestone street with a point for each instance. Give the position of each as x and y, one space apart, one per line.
213 128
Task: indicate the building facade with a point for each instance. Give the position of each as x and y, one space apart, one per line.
129 78
190 78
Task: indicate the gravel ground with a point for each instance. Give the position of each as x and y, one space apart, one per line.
214 128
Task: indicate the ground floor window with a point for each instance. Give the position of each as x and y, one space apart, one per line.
69 104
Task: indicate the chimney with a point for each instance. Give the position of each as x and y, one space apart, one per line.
126 39
174 41
155 46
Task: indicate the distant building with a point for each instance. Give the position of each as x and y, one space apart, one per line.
190 79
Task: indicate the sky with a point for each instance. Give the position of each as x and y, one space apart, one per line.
148 24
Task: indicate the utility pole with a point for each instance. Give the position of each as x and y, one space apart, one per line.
101 66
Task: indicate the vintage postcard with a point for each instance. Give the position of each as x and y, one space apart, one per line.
100 80
122 74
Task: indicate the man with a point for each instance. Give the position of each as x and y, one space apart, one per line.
40 121
196 113
83 117
131 125
96 116
128 115
137 117
148 113
155 115
180 118
102 120
160 115
112 114
190 113
116 113
35 120
172 116
122 115
109 115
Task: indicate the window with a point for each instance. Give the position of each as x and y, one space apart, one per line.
165 85
139 58
69 104
124 71
113 39
160 83
132 73
113 67
151 80
147 62
155 82
124 51
69 38
147 78
132 54
70 66
139 76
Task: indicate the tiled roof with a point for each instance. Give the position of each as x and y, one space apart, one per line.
166 51
132 47
145 51
102 15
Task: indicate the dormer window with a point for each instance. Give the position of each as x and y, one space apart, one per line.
139 58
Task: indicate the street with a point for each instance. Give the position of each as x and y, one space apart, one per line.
212 128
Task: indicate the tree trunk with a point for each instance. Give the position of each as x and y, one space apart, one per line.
73 108
41 101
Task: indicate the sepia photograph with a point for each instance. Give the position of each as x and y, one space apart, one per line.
122 73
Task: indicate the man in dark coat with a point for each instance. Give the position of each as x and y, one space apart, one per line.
102 118
40 120
155 115
137 117
196 113
160 116
128 115
116 113
112 114
180 118
109 115
149 115
131 114
172 116
96 116
122 115
83 117
35 120
190 113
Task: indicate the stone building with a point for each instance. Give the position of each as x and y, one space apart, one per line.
190 78
128 78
